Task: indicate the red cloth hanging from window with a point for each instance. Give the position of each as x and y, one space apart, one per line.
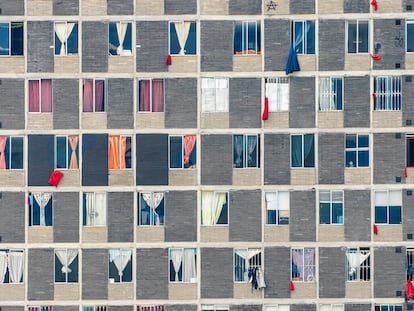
168 61
409 290
55 178
292 286
265 114
375 229
374 4
376 57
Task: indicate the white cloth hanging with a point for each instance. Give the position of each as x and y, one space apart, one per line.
63 31
182 29
66 257
121 29
42 199
120 258
176 257
189 273
16 260
3 266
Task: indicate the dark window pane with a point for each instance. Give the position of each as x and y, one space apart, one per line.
338 96
73 275
17 153
59 275
395 215
174 43
298 39
237 37
337 213
324 213
351 159
113 39
128 152
352 37
4 39
190 45
176 148
363 158
363 141
410 37
310 38
380 214
61 159
238 151
296 152
410 152
350 141
49 213
144 215
72 42
271 217
363 37
309 150
16 38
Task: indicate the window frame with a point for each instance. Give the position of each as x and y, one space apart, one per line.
75 260
311 277
409 22
384 98
128 155
357 151
363 273
7 279
204 93
49 206
245 151
409 258
151 219
328 94
277 210
193 24
170 264
105 95
357 22
304 48
127 31
215 307
40 99
258 256
257 50
8 150
276 103
276 307
150 92
68 152
225 209
84 211
192 156
312 160
150 308
56 38
331 202
94 307
332 307
10 41
388 207
129 264
389 307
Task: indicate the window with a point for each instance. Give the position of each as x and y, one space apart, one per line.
66 38
182 38
94 95
387 93
41 308
150 308
385 307
246 151
358 264
357 36
66 265
245 260
11 266
183 265
388 207
410 263
277 92
183 151
331 207
409 47
303 264
151 208
214 208
409 148
302 150
277 308
336 307
11 39
119 152
40 209
94 308
277 206
11 152
214 95
120 265
94 209
304 37
40 95
151 95
247 38
120 38
357 150
330 94
66 154
214 308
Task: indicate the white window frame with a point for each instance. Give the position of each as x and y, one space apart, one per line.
254 260
94 95
40 308
408 38
183 263
40 96
215 308
227 203
65 43
304 36
152 223
332 307
357 22
150 308
245 151
163 94
182 153
10 38
68 154
277 92
280 198
32 207
356 150
192 22
10 250
363 270
122 252
94 308
311 268
389 307
276 307
331 201
94 207
245 38
328 94
9 139
303 164
67 272
219 94
129 53
388 93
393 196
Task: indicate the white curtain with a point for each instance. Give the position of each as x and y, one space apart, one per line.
222 95
355 260
215 95
176 257
153 200
211 206
3 266
66 257
121 29
42 198
326 94
277 91
182 29
95 209
63 31
120 257
247 254
16 266
189 271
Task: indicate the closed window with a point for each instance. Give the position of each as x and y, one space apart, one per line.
357 36
409 47
66 38
151 95
11 38
119 152
277 93
150 308
303 264
94 95
120 39
214 208
247 38
94 209
278 307
40 209
11 266
387 93
331 207
357 150
40 95
409 266
40 308
214 95
388 207
182 263
330 94
182 38
66 265
11 152
246 151
302 150
214 308
304 37
67 153
409 148
151 208
95 308
333 307
358 264
120 265
245 261
387 307
277 207
183 151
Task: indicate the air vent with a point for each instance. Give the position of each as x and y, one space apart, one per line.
409 192
398 293
397 65
409 236
398 135
398 250
409 306
409 7
408 122
397 22
397 178
407 78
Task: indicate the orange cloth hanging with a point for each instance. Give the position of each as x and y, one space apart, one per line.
116 152
189 142
265 114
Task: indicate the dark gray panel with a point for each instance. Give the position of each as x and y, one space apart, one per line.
94 47
302 6
40 159
216 160
244 105
356 101
120 103
152 39
180 308
245 308
216 285
408 212
152 159
95 160
181 216
181 103
331 158
277 43
12 217
95 277
245 221
120 7
302 307
407 85
244 7
277 159
356 6
12 308
40 274
357 307
389 157
65 308
277 272
385 31
302 102
65 104
302 216
12 104
389 271
15 7
331 44
65 217
408 5
120 216
331 272
176 7
216 48
152 273
357 214
65 7
39 39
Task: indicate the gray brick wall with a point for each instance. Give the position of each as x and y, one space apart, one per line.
181 216
302 216
12 103
277 272
120 103
175 7
244 7
95 277
65 217
95 159
120 7
277 43
303 307
120 216
39 40
65 7
357 307
12 308
357 215
331 272
40 160
121 308
331 44
302 102
40 274
245 307
65 104
356 101
245 215
406 3
95 52
356 6
65 308
331 158
408 214
216 285
186 307
15 7
152 273
302 6
277 159
407 87
12 217
244 102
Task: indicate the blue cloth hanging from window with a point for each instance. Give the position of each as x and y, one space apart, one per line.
292 64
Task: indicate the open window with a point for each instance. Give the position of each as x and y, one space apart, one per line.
303 264
387 93
183 151
302 150
40 95
246 151
214 95
119 152
66 265
330 93
66 38
40 209
331 207
120 265
94 95
304 37
120 39
66 153
182 39
247 38
11 38
358 264
94 209
11 266
214 208
182 263
277 92
246 260
151 209
11 152
357 150
151 95
388 205
277 207
357 36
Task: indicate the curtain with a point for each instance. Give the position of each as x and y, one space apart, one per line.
297 262
144 95
153 200
326 94
277 90
121 29
66 257
34 104
238 150
42 198
309 157
88 96
3 141
73 142
120 258
99 95
309 265
90 213
189 143
222 95
3 266
16 266
63 31
157 96
189 271
95 209
208 99
211 206
251 147
114 151
182 29
355 260
46 86
176 257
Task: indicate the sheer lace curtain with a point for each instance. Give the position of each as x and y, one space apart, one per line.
16 265
176 257
189 272
153 200
120 257
3 266
42 199
66 257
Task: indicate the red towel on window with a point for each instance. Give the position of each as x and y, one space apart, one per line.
55 178
292 286
376 57
265 114
374 4
375 229
168 61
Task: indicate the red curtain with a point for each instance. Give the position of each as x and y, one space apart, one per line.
189 142
99 95
3 140
144 95
265 114
157 96
34 96
46 95
88 96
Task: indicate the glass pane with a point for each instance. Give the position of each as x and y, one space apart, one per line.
283 217
350 141
410 37
296 151
72 42
58 45
174 43
298 39
17 153
310 37
238 150
59 275
395 215
252 151
351 159
61 152
337 217
363 141
73 275
363 158
252 47
380 214
4 39
144 97
338 96
128 153
128 41
176 152
271 217
190 45
16 38
223 219
363 37
113 39
309 151
144 215
237 38
352 37
324 213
